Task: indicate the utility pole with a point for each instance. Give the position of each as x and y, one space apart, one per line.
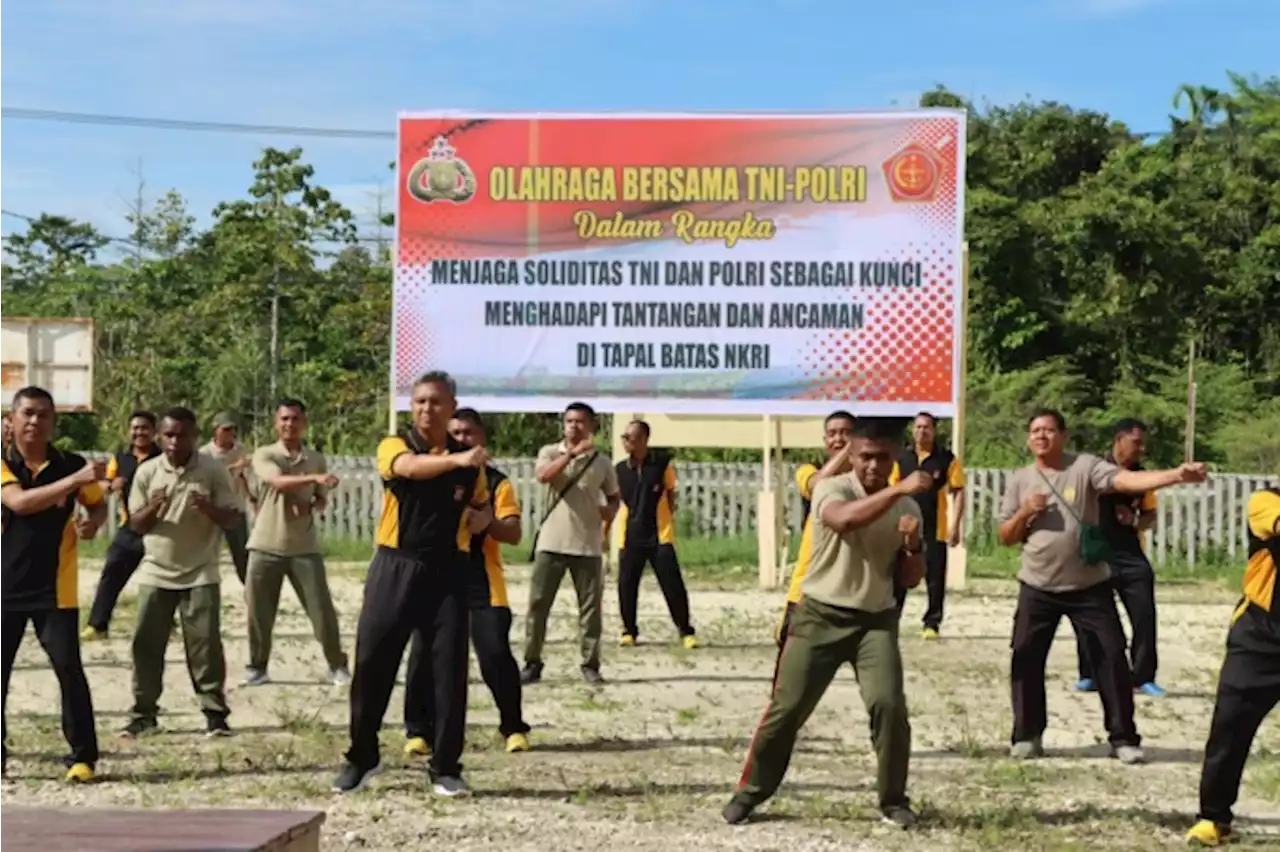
275 294
1189 448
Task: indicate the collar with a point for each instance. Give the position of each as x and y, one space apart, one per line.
15 459
192 463
300 456
420 445
1110 457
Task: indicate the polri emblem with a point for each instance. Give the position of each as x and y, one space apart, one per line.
442 176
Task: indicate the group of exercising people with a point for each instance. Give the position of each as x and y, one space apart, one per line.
878 521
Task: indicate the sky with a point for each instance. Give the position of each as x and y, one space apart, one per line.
324 63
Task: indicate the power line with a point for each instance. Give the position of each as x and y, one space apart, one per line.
27 114
359 238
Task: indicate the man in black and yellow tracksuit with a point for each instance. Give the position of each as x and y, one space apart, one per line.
435 496
647 533
836 431
125 552
1249 683
490 614
40 488
942 507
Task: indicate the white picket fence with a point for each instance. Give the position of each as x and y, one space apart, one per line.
718 499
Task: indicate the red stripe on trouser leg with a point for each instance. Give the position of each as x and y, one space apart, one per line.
746 770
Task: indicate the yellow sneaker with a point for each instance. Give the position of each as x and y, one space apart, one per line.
929 633
690 643
417 747
517 742
80 773
1206 832
627 641
92 634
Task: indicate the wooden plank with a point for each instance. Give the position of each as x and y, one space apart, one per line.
133 830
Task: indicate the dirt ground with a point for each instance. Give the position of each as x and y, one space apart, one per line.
648 760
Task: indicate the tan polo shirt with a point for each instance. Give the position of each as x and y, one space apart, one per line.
573 527
1051 559
285 525
228 457
855 570
181 551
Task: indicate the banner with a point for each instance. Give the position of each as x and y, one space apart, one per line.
682 264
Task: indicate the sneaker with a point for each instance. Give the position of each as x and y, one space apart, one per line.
1027 749
217 727
417 747
690 642
93 634
1151 689
353 779
592 676
255 677
340 677
518 742
1128 755
1206 832
627 641
80 773
1086 684
450 786
900 816
139 728
736 812
929 633
532 673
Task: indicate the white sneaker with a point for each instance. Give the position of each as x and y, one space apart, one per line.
340 677
1129 755
255 677
450 786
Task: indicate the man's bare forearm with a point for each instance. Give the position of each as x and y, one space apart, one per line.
553 468
1138 481
423 465
143 520
506 530
1014 531
290 482
28 501
847 515
911 571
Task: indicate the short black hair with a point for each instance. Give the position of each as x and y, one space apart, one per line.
932 420
879 428
438 377
33 393
643 427
291 402
143 414
838 414
470 415
1125 425
1058 419
180 414
582 408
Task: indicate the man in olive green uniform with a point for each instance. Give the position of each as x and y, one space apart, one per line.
226 448
293 486
583 499
181 502
866 535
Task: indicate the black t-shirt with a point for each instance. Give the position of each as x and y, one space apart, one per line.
643 490
1122 537
40 550
425 515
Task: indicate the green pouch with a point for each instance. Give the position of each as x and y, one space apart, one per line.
1094 547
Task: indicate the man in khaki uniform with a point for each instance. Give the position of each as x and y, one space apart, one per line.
180 503
584 493
226 448
293 486
866 537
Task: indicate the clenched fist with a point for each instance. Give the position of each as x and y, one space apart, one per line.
909 527
1035 502
917 482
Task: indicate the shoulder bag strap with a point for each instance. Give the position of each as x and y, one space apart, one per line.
1063 500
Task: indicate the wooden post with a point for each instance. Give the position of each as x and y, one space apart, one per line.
957 557
767 512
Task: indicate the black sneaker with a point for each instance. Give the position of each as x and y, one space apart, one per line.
217 727
138 727
352 778
900 816
532 673
592 676
736 813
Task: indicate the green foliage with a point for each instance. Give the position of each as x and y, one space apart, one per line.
1096 258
